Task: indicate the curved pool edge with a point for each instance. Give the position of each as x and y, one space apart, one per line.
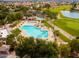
44 37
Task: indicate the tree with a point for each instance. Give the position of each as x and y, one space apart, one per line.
11 18
13 36
50 14
22 9
18 15
10 39
55 49
73 5
56 33
16 32
47 6
25 47
74 44
37 49
4 11
65 51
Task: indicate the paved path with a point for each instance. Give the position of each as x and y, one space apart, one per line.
69 36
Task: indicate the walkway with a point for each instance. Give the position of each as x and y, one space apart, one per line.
69 36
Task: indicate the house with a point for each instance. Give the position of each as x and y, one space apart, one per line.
3 33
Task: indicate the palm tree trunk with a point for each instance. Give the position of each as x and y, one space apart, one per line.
54 34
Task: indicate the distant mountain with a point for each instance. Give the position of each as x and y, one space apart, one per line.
41 0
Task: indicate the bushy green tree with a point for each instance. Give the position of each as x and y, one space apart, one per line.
22 9
18 15
16 32
25 47
10 39
74 44
65 51
50 14
11 18
37 48
4 11
73 6
13 36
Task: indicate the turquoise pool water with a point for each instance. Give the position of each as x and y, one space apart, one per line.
70 14
34 31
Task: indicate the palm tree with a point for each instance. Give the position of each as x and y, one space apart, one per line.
3 16
74 44
22 9
56 34
40 48
64 51
74 3
13 37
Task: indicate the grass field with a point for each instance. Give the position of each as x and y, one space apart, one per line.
65 39
59 8
69 25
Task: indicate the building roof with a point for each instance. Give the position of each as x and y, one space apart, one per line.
4 51
3 33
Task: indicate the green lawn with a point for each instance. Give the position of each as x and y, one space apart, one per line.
64 38
59 8
69 25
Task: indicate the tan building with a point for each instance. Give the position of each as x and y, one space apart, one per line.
53 4
23 3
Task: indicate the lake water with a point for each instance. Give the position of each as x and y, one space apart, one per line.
70 14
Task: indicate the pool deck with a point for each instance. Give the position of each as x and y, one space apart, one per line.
50 34
18 25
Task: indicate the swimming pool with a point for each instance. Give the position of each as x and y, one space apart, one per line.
70 14
33 31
